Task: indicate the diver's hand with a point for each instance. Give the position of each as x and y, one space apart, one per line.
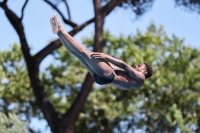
98 55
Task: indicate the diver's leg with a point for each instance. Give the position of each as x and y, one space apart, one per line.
99 66
78 56
57 29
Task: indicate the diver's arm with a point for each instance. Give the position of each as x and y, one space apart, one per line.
108 58
119 63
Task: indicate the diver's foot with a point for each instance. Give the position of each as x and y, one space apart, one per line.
55 24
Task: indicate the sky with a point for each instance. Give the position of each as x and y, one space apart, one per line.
38 31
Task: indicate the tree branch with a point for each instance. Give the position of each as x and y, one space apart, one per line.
23 9
33 72
110 6
68 11
17 25
3 3
72 114
64 19
99 23
100 14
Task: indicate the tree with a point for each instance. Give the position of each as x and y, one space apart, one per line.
11 124
65 121
169 99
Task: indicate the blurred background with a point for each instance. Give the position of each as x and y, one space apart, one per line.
46 89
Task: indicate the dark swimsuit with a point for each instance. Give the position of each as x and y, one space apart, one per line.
104 80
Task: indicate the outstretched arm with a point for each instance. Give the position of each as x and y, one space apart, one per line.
114 61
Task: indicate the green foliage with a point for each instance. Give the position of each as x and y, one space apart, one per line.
192 6
168 101
62 80
174 116
15 91
13 76
11 124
